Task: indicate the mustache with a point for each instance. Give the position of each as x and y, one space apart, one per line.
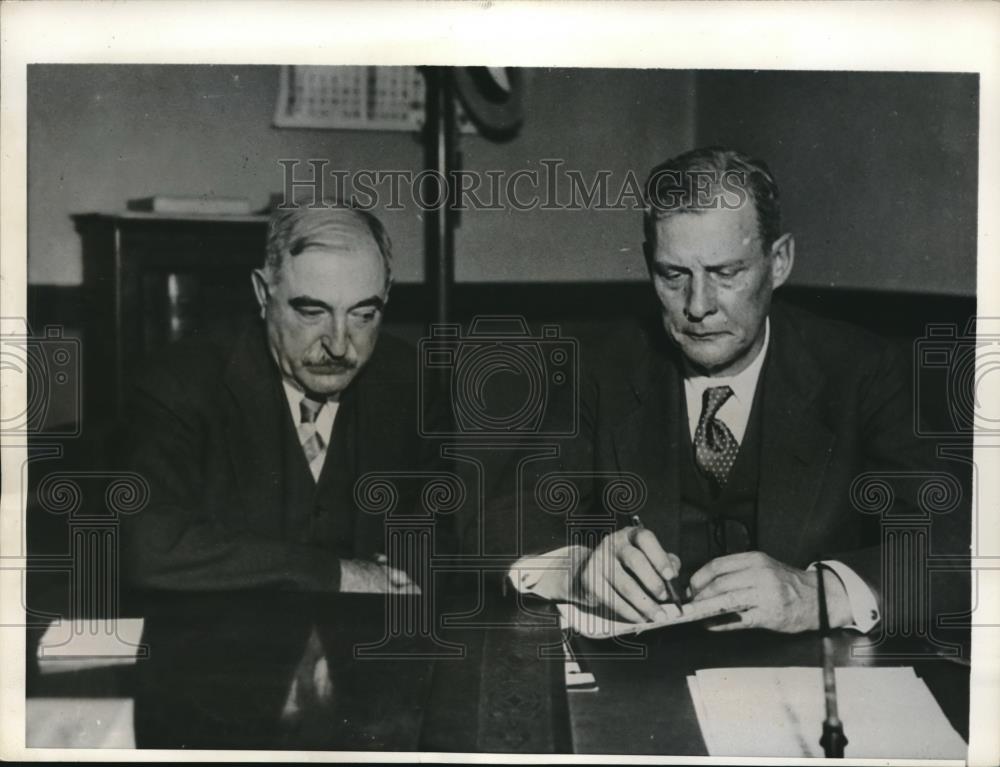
332 365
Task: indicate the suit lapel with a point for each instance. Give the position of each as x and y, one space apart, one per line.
368 401
341 454
796 444
647 441
254 426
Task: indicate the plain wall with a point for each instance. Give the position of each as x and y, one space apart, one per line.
101 135
877 171
621 122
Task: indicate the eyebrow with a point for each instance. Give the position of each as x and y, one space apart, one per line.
303 302
373 301
663 266
727 265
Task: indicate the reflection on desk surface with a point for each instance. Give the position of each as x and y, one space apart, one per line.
221 667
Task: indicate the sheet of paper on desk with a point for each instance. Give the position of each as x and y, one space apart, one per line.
72 645
79 723
779 712
581 621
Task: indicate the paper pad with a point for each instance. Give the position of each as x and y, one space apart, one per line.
778 712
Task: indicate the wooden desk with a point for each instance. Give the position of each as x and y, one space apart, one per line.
220 667
643 705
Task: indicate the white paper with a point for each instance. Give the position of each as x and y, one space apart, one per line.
779 712
72 645
79 723
593 626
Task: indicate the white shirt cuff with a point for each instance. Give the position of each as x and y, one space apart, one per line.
546 575
864 605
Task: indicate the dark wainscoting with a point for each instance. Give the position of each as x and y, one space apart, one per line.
579 309
897 315
50 305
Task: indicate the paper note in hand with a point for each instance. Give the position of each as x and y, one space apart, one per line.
592 625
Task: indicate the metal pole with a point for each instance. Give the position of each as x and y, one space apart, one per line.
439 219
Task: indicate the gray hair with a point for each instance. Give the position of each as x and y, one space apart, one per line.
292 230
671 180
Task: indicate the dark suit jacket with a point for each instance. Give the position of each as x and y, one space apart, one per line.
232 503
836 403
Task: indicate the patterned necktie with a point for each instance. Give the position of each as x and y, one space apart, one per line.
312 441
715 447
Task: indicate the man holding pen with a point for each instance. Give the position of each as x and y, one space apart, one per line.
747 421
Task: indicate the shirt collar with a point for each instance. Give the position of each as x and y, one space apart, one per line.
744 383
295 396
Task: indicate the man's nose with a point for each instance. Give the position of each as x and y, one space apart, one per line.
700 298
334 337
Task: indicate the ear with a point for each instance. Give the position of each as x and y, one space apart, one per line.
782 259
260 290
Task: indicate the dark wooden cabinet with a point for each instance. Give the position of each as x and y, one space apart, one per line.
152 278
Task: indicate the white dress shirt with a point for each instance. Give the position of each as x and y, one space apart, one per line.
540 574
735 411
324 422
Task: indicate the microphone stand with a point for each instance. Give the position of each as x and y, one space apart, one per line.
833 740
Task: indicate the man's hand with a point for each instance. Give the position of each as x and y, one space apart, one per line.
374 577
627 573
765 593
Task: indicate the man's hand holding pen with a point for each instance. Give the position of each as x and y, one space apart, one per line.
630 574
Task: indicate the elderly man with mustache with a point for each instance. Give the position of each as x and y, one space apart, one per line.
252 441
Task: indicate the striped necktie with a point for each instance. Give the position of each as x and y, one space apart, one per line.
313 444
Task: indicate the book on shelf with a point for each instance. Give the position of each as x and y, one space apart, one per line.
197 204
